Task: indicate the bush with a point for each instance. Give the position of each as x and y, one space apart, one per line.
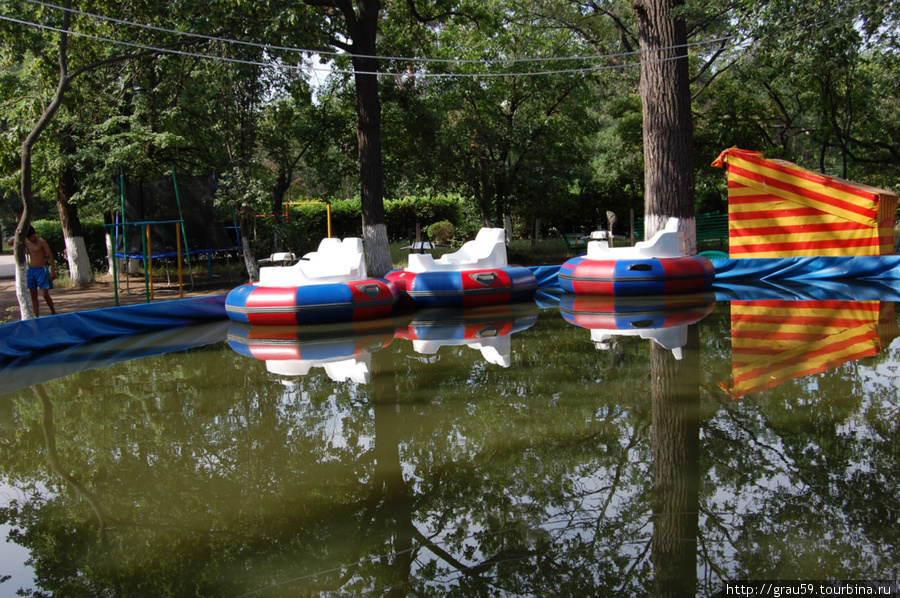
441 232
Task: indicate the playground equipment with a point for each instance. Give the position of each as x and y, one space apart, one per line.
169 218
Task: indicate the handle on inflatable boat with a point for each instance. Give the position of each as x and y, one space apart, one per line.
640 267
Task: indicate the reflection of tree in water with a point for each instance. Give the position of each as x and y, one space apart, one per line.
807 475
537 480
675 439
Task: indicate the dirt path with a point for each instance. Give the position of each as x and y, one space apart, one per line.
102 294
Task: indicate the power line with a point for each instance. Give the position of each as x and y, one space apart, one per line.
270 48
279 65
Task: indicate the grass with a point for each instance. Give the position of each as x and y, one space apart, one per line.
11 315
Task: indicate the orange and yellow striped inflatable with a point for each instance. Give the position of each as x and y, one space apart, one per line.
777 209
775 341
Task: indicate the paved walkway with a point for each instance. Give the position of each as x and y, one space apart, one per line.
7 266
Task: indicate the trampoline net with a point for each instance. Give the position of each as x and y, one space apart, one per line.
205 228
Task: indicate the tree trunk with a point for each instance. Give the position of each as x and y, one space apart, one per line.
675 442
26 187
368 129
668 129
80 272
249 260
282 184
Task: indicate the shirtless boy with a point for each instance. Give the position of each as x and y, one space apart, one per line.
40 276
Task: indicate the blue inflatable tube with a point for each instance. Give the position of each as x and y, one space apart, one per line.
18 339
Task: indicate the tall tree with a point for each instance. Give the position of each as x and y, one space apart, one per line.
358 23
92 59
668 128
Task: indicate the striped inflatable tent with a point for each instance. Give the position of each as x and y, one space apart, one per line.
775 341
777 209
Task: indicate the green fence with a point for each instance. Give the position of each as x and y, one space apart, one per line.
710 228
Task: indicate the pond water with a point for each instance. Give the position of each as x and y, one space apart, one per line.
512 451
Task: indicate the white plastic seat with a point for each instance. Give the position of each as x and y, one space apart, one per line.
668 242
334 261
487 250
356 368
496 350
672 338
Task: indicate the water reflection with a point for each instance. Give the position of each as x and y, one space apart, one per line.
342 350
36 368
665 319
486 329
200 473
675 446
774 340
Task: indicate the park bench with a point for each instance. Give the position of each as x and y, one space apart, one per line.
575 241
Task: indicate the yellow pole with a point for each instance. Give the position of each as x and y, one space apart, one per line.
178 257
328 210
150 262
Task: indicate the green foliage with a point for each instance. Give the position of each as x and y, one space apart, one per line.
563 148
403 214
441 232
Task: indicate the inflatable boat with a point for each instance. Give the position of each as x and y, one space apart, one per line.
655 267
477 274
327 285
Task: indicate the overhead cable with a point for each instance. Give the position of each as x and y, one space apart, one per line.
280 65
275 48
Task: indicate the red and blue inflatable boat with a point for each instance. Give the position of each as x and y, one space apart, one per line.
655 267
477 274
464 288
326 286
308 304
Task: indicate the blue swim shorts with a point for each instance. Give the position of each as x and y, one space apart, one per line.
39 278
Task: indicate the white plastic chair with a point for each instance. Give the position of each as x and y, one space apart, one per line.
487 250
334 261
668 242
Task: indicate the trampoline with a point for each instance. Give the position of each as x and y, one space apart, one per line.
170 219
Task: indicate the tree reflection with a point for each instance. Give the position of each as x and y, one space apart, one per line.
675 440
567 473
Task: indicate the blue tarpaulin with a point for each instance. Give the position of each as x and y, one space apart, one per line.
18 339
885 268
